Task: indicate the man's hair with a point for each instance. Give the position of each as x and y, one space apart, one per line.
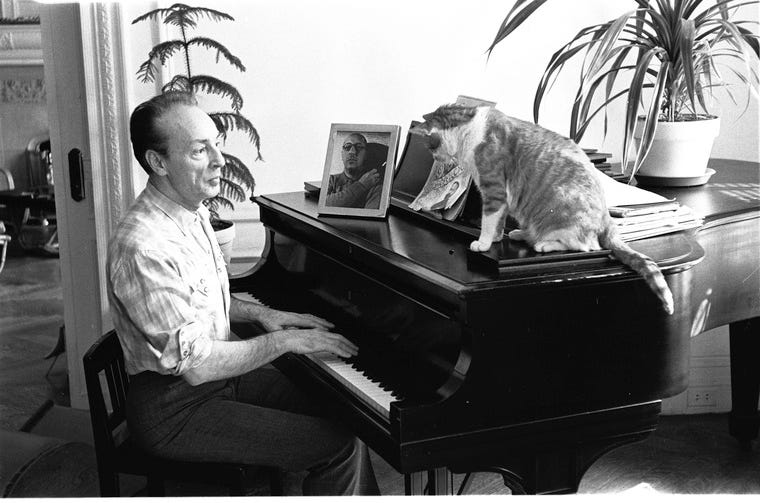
143 124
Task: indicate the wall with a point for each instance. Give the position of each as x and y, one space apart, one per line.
23 116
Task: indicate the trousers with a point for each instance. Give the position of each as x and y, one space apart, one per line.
259 418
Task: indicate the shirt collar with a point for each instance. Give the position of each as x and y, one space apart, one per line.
183 217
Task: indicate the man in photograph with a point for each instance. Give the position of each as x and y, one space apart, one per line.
359 185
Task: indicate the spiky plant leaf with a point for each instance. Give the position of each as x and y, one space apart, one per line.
227 121
177 83
235 170
158 56
183 16
212 85
220 51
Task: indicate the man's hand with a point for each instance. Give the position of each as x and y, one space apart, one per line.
272 320
370 178
314 341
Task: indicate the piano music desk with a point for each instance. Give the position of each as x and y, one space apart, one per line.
533 371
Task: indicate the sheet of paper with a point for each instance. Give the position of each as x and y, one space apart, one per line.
618 194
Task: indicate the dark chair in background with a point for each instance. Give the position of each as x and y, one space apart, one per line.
117 454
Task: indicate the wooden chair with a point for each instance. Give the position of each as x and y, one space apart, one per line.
116 453
4 240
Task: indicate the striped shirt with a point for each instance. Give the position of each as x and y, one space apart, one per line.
167 286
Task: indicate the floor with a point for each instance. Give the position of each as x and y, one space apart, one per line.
691 454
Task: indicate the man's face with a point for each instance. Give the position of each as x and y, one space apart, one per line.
353 152
193 161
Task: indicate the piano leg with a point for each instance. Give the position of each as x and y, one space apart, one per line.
440 481
414 484
744 420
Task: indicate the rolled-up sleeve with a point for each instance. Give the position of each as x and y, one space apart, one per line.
171 333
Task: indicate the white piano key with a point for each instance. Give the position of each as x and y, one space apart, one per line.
369 392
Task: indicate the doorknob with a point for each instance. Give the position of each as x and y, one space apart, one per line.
76 174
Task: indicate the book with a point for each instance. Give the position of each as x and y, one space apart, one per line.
632 210
655 224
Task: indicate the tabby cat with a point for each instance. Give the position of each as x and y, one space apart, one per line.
541 179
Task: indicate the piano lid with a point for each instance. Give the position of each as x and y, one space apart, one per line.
411 249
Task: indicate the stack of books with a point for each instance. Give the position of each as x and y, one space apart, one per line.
639 221
600 162
639 213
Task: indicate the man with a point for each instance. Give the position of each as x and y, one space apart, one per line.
195 393
356 186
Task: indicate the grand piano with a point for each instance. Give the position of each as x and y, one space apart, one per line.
531 369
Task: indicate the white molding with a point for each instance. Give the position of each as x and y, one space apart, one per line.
20 45
23 91
107 91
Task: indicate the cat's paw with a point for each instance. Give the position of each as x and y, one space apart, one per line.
517 235
480 246
550 246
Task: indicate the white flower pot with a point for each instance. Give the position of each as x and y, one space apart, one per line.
225 237
680 149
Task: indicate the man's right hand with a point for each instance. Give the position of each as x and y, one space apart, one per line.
370 178
314 340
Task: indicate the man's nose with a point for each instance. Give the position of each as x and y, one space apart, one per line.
217 157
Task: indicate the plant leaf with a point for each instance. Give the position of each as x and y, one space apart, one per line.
511 23
161 52
607 42
650 123
637 81
686 42
177 83
220 51
212 85
227 121
235 170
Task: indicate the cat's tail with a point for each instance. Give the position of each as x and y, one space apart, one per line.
640 263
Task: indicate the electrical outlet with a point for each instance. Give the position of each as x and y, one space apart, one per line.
702 397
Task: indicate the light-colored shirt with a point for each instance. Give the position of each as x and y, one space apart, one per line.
167 285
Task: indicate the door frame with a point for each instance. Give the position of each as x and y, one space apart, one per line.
88 94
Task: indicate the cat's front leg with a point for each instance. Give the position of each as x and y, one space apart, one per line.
491 229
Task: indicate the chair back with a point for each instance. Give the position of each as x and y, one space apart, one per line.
6 180
105 360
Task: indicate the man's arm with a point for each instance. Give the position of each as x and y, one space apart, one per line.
353 193
233 358
272 319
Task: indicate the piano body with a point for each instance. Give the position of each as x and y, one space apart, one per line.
532 369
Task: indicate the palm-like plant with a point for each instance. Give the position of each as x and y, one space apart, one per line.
236 179
668 46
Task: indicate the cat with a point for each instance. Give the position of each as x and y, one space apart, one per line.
538 177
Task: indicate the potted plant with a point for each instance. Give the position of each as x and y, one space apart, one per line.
236 180
674 49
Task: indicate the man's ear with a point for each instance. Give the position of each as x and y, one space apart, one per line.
155 162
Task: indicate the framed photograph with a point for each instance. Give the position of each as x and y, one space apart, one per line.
358 170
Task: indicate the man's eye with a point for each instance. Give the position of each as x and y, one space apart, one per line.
200 150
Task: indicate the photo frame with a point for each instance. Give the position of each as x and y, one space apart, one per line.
358 171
